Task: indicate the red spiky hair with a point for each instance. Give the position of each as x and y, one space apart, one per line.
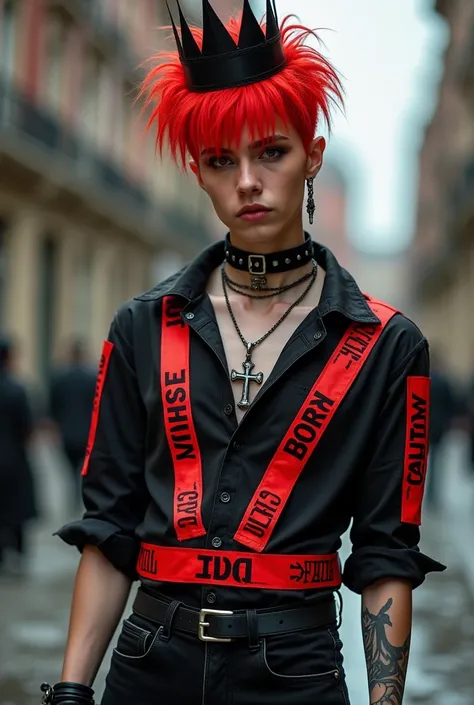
299 95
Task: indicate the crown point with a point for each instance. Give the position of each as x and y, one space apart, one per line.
251 34
190 48
271 21
216 39
175 32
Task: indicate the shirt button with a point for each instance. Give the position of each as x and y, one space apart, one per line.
228 409
318 335
211 598
225 497
216 542
189 316
237 445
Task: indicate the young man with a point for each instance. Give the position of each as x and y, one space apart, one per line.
246 410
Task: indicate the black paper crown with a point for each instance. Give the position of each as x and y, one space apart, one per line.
221 63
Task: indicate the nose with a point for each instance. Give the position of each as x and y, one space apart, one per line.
248 180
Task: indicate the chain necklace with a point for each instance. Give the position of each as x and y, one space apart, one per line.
243 289
246 377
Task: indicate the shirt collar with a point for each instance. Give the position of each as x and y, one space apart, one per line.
340 291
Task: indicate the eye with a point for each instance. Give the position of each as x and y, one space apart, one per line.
273 153
219 162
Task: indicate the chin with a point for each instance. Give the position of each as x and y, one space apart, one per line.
263 234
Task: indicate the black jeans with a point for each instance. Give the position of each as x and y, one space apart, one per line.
149 667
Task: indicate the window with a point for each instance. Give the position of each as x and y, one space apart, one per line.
8 28
123 126
56 37
105 109
83 303
48 269
90 96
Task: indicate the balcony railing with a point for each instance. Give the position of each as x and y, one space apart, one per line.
86 171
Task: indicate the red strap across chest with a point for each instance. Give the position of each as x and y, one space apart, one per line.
179 424
307 429
294 451
99 388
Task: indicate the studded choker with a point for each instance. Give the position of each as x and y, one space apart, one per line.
259 266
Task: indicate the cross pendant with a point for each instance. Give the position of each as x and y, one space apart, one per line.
246 377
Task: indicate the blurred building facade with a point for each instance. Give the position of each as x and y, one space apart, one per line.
331 224
443 248
86 208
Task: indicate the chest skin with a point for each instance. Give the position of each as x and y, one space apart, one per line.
255 318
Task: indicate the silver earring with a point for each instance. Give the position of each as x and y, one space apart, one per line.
310 207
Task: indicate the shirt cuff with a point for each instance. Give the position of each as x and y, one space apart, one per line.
371 563
120 549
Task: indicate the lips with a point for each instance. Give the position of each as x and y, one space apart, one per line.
254 208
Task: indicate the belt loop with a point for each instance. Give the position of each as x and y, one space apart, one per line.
340 609
165 630
252 623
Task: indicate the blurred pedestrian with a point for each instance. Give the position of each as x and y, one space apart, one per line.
17 494
71 397
442 412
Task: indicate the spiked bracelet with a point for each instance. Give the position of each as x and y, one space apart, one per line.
67 694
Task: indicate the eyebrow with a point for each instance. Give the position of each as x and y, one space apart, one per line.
254 145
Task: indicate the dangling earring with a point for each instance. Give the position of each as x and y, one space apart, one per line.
310 207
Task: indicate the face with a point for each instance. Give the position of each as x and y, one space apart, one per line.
257 187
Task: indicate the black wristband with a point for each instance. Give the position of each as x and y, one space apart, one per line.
66 693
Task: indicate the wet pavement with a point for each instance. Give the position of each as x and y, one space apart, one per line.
34 610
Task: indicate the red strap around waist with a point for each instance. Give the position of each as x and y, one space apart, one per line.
236 569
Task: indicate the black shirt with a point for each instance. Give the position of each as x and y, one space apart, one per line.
355 473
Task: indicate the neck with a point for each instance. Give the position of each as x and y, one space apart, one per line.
273 280
291 257
291 237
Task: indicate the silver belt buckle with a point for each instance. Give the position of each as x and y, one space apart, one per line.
203 624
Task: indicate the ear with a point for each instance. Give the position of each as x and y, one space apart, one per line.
194 166
315 157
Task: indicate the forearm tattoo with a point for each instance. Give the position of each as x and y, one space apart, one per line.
386 663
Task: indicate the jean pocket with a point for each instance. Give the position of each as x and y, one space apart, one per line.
300 657
135 642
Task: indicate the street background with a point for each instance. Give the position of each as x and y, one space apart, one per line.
90 217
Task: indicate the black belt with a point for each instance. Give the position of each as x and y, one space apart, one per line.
225 625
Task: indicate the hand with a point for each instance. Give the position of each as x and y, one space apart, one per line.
70 693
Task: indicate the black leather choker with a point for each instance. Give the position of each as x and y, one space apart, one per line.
259 266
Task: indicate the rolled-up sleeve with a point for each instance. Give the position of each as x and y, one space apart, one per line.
389 488
114 489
